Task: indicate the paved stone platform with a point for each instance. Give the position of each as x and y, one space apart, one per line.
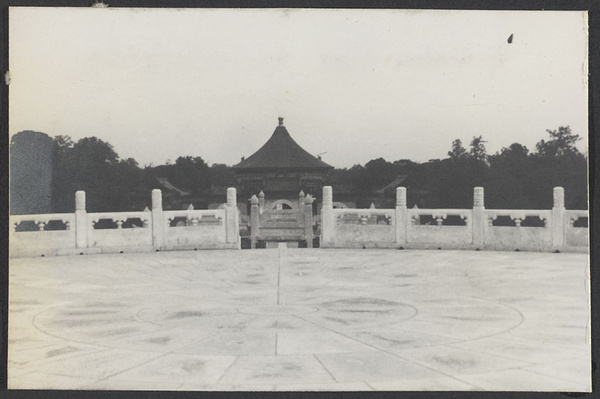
299 320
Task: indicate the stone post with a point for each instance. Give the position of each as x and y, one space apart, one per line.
301 199
261 202
327 222
254 209
478 222
81 225
231 215
158 227
558 218
308 221
401 216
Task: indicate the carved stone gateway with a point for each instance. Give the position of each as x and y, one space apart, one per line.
282 225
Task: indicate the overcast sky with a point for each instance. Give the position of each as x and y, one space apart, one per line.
352 84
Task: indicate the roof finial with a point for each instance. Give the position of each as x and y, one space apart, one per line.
280 121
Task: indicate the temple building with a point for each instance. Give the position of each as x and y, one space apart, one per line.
280 169
277 172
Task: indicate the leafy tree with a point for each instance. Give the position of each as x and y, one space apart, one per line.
478 151
360 179
379 172
63 175
513 159
221 175
562 143
191 173
514 151
92 165
457 151
187 173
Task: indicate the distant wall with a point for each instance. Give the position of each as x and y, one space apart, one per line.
477 228
31 162
109 232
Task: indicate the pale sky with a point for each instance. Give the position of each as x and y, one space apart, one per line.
352 84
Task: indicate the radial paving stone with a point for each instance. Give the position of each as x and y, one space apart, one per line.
519 350
178 369
441 383
395 339
50 381
300 320
375 366
572 369
249 343
277 370
521 380
458 362
350 386
305 343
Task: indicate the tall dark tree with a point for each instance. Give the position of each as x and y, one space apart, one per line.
512 159
221 175
562 142
380 172
93 166
478 150
191 173
457 151
64 174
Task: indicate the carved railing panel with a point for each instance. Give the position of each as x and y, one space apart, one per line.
577 219
42 222
439 217
119 220
194 218
371 217
517 217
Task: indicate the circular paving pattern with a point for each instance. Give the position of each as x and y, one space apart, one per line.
264 320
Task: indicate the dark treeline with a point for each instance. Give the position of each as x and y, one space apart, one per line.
113 184
514 177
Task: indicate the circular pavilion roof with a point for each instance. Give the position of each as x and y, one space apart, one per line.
281 152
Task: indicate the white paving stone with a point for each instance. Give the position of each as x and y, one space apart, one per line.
301 320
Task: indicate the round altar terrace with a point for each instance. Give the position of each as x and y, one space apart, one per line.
287 319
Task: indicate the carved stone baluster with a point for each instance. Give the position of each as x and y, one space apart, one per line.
327 222
41 226
518 221
308 221
145 222
401 216
82 225
558 218
261 202
254 226
478 222
232 218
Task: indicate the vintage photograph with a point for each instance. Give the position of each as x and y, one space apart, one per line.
298 200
